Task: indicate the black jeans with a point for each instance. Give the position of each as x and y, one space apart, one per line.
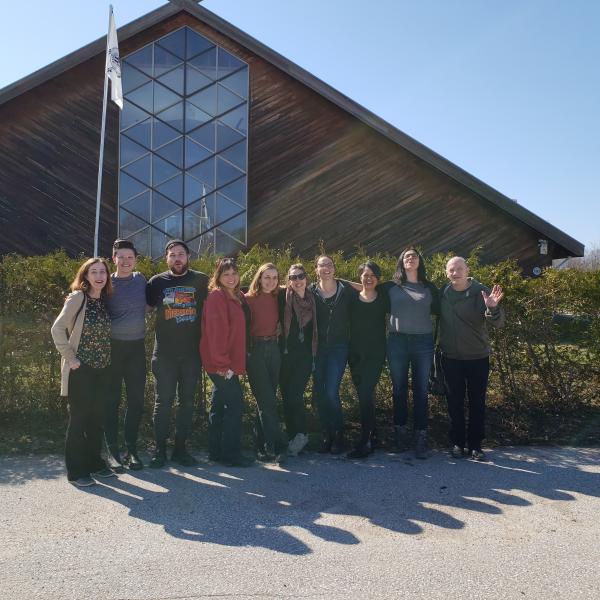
468 377
296 368
87 389
128 363
263 367
225 418
366 371
174 375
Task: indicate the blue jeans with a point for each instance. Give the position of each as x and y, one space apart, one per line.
416 351
330 364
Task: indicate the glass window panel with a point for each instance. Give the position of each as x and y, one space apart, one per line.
194 189
161 207
173 189
173 152
236 191
173 116
140 169
196 43
174 42
171 225
142 59
140 133
163 133
235 227
225 245
130 151
195 80
164 97
194 153
226 172
159 241
205 173
194 117
238 83
139 206
162 170
236 155
131 114
129 224
141 241
199 217
227 63
225 210
206 63
206 99
164 61
129 187
237 119
143 97
226 136
131 78
174 80
227 100
205 135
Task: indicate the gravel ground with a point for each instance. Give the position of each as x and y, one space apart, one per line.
524 525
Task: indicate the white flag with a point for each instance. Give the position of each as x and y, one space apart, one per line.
113 64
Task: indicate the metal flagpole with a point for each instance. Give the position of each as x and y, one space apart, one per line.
101 157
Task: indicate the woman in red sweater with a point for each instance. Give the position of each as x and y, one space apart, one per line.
225 319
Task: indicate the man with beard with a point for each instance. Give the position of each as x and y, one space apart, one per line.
178 296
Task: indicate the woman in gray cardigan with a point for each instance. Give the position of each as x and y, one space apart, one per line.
81 334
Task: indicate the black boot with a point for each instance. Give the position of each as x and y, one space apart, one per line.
113 459
326 443
402 440
181 454
339 443
159 456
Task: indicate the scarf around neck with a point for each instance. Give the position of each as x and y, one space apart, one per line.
305 310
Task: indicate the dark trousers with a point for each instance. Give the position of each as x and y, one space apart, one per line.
330 365
87 389
366 371
174 375
225 418
263 367
296 368
406 350
470 378
128 363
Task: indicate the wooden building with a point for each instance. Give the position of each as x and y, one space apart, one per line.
228 144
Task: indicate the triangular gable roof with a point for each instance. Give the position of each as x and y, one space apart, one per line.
437 161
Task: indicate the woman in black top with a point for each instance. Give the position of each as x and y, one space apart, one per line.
367 349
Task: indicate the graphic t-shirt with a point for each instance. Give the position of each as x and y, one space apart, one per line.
178 302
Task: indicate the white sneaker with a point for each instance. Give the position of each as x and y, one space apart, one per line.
297 444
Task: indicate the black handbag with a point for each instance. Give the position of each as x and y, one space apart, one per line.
437 381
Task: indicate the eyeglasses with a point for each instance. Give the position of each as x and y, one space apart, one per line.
300 276
324 265
411 257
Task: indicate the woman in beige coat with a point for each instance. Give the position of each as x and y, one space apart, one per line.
81 334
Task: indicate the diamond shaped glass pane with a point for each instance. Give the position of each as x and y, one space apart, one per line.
164 61
196 43
205 173
173 116
195 80
238 82
142 96
129 224
236 191
162 170
236 155
174 80
235 227
225 245
174 43
173 189
226 136
141 241
163 133
205 135
139 206
227 100
140 169
206 63
194 189
171 225
163 97
194 153
226 172
173 152
130 115
159 241
225 210
194 117
206 99
161 207
227 63
130 151
129 187
140 133
203 245
199 217
142 59
131 78
237 119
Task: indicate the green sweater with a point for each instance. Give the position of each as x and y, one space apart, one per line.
463 331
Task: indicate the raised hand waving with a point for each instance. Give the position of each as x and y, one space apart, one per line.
494 298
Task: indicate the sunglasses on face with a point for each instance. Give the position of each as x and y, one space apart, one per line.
300 276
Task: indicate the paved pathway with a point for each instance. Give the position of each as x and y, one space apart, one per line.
525 525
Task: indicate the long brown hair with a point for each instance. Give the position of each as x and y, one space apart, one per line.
223 264
255 287
80 283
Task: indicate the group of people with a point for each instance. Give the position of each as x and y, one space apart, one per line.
277 335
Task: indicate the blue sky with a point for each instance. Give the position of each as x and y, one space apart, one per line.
509 91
